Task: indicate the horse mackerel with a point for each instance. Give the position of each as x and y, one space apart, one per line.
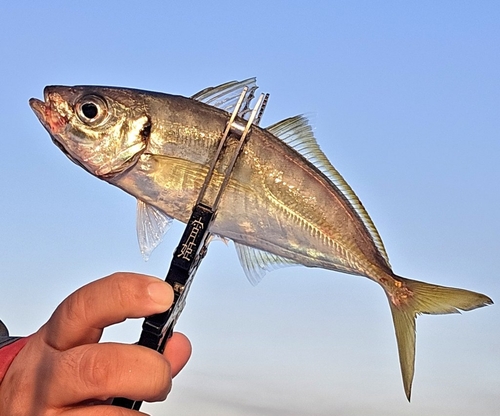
284 204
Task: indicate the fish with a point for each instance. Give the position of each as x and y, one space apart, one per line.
285 204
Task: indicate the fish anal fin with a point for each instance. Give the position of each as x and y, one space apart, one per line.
152 225
256 263
417 298
215 237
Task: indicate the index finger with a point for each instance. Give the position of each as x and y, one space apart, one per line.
82 316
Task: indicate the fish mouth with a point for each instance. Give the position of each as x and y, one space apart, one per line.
38 108
52 121
47 112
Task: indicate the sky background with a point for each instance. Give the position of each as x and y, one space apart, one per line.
405 101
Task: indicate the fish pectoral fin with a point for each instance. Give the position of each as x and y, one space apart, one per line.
225 96
417 298
152 225
256 263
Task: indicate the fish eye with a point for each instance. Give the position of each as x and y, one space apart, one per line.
91 110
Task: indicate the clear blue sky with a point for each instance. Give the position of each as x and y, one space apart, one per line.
405 100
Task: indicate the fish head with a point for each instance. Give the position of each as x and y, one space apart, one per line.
102 129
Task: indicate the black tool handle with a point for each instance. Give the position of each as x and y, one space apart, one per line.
156 329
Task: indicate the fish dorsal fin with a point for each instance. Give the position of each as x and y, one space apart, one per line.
297 133
225 96
256 263
152 225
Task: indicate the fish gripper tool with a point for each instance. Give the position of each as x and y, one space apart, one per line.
193 245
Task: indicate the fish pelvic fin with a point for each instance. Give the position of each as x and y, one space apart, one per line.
152 225
412 298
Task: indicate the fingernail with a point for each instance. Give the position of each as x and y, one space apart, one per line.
161 293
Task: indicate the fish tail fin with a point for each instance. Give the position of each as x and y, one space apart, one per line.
414 298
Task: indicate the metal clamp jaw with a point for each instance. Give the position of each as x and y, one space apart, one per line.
193 245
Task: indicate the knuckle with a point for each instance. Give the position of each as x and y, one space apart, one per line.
104 370
128 288
95 368
76 308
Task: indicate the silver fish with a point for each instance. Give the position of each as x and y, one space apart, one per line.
285 203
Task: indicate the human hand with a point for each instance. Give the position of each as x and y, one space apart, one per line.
63 371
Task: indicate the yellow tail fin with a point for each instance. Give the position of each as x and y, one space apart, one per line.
428 299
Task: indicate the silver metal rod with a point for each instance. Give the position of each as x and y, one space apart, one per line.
222 142
238 150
